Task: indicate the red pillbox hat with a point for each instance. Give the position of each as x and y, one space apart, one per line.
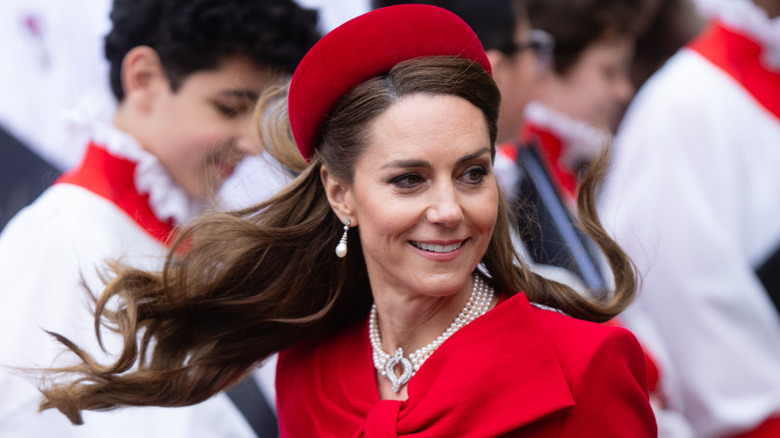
369 46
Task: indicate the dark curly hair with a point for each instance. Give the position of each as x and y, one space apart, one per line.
494 22
194 35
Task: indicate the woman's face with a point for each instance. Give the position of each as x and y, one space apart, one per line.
598 86
424 196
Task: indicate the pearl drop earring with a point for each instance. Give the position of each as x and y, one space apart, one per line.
341 248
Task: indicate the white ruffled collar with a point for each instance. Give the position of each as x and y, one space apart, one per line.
91 119
582 142
746 17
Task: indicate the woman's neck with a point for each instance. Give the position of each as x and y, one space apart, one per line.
411 322
411 330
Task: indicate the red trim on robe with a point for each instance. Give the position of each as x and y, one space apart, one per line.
768 429
113 178
740 58
508 150
551 148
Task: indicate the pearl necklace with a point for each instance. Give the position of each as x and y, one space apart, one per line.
477 305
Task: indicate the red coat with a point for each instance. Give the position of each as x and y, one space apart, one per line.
516 371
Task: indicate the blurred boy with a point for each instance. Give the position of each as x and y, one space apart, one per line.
186 75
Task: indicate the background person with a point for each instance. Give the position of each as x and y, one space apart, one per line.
186 76
57 48
693 200
579 102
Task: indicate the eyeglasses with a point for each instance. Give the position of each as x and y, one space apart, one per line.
539 41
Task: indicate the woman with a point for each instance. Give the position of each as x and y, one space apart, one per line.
394 114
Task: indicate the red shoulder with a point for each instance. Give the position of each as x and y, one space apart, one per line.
577 338
607 373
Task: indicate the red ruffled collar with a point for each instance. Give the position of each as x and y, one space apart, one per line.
112 178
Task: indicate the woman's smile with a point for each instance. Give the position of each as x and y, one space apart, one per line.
440 253
433 247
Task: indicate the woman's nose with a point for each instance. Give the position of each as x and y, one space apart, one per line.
445 209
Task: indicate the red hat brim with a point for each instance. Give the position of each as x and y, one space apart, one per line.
366 47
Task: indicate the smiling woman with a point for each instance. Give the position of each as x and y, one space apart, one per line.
423 325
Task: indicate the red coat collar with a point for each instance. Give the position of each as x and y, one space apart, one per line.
112 178
340 392
740 57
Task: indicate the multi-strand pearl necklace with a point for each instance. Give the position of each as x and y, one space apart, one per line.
479 302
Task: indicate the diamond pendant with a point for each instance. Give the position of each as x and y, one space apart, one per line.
406 374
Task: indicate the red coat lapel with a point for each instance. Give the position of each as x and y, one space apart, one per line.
504 393
332 389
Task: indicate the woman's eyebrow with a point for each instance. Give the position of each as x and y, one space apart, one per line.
473 155
407 164
422 164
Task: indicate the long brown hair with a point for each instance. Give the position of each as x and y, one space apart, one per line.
239 286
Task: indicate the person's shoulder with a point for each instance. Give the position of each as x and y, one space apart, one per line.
576 340
604 368
75 227
41 221
686 80
91 216
557 323
58 204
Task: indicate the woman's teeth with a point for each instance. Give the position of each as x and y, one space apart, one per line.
437 248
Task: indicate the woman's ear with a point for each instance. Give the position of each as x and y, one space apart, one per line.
339 196
142 77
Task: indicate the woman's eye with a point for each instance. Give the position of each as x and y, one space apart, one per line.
475 175
407 180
